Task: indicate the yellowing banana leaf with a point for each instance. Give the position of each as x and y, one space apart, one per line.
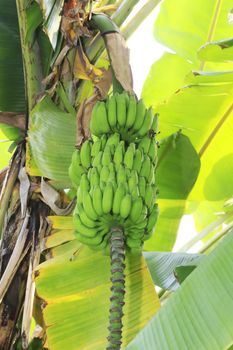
75 287
199 315
178 24
11 66
51 140
4 146
217 51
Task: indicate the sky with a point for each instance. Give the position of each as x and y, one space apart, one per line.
144 50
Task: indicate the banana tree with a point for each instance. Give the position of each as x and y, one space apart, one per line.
65 76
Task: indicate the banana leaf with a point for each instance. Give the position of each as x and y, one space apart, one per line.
162 266
51 141
75 286
185 26
11 65
217 51
199 315
177 170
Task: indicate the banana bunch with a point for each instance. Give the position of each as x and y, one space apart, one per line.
140 156
116 187
123 114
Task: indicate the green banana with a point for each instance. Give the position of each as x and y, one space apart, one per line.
107 157
99 119
97 198
112 176
131 112
85 154
133 243
140 114
88 206
152 218
149 196
154 126
76 169
113 140
125 206
103 141
118 197
146 165
104 174
97 160
83 229
136 210
147 123
132 183
94 123
84 183
151 176
144 144
80 212
129 156
112 112
107 198
135 192
91 241
152 152
94 177
119 153
96 148
138 159
142 186
121 109
121 175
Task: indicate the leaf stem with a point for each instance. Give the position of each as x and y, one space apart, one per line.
31 58
117 255
216 238
140 16
205 232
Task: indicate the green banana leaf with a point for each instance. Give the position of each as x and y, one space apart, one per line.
53 20
185 26
199 315
177 170
75 288
51 140
162 266
165 77
217 51
11 66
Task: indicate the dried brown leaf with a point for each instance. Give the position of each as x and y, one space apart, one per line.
85 109
83 119
23 189
52 198
119 56
3 173
17 120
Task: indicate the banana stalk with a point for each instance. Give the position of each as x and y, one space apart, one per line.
117 255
